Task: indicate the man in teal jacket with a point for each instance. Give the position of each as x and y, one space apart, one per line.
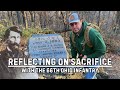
98 48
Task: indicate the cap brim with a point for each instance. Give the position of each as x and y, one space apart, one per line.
74 21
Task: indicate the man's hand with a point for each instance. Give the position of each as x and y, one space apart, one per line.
84 57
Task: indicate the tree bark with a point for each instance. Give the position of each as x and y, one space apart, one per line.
99 18
18 17
24 19
118 19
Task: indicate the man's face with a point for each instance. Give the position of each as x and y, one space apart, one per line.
76 26
14 37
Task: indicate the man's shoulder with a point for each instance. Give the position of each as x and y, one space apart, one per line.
2 54
93 32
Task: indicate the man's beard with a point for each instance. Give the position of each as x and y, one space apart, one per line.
78 31
14 47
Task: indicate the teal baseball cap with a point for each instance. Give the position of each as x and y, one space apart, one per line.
73 18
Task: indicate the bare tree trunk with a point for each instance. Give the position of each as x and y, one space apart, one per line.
64 20
46 16
39 19
9 17
32 16
34 19
24 19
99 18
18 17
45 19
13 22
118 19
56 19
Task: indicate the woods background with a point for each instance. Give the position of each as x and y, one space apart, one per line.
56 20
35 21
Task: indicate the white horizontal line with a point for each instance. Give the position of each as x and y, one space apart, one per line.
61 66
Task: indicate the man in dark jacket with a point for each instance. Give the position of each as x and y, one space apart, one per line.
12 38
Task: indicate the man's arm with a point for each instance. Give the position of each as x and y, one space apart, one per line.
73 51
98 43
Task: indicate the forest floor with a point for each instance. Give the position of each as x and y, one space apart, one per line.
114 71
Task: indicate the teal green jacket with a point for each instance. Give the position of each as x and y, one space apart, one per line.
98 49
